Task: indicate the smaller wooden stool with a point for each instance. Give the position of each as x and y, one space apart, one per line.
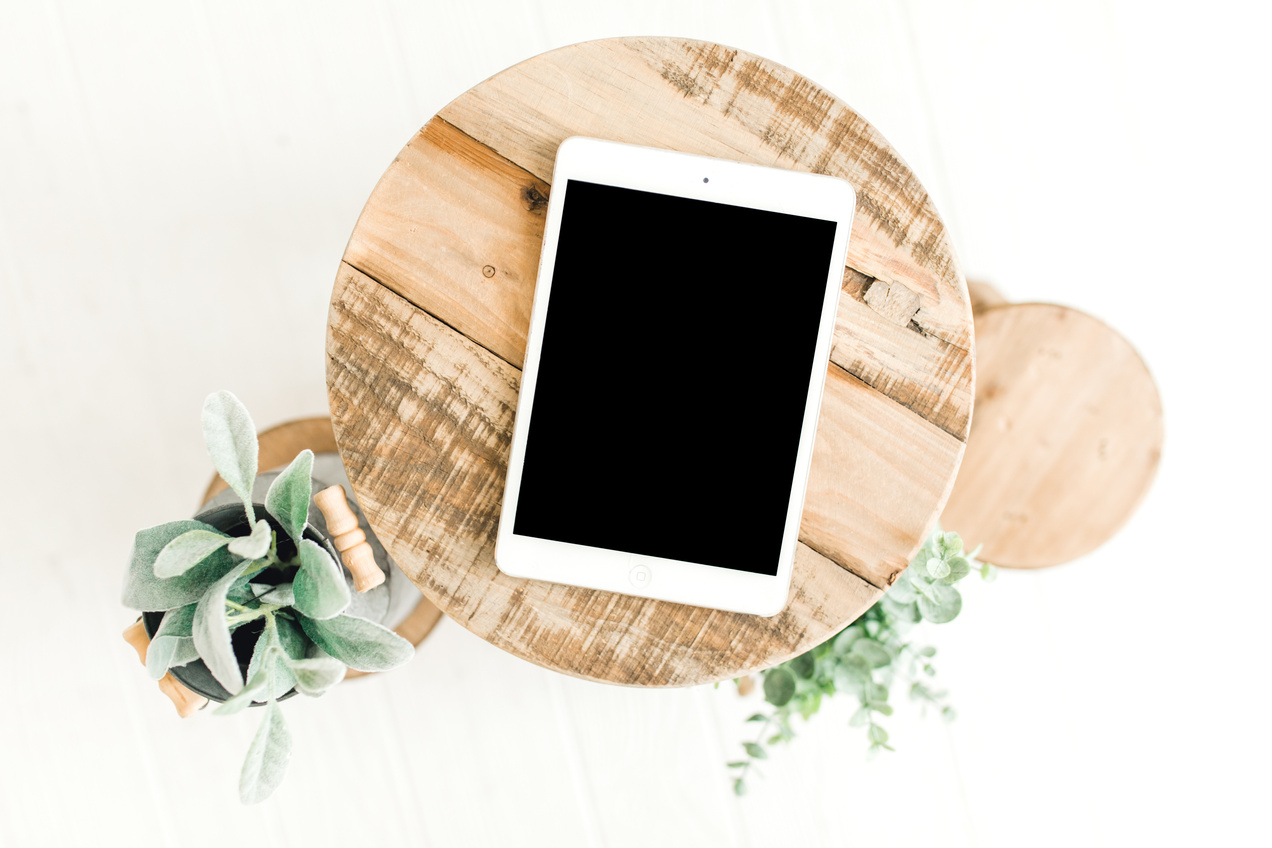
1066 435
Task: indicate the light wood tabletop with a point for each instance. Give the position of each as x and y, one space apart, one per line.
427 332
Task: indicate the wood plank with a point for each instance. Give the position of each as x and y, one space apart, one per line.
456 229
424 420
704 98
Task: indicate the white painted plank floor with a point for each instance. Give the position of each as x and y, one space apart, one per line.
177 183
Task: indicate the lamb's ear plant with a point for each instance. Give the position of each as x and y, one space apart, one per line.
868 658
206 583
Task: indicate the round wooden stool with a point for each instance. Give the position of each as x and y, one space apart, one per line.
1066 437
428 323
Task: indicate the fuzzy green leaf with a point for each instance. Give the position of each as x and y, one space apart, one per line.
988 572
230 437
315 676
255 545
171 645
282 595
877 734
269 651
267 758
758 717
188 550
358 643
294 641
212 634
319 585
872 652
779 686
942 604
860 717
739 787
755 750
144 591
253 690
288 496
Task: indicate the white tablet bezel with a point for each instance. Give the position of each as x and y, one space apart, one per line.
703 178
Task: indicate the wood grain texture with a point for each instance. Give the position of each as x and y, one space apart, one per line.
428 329
430 416
278 445
1066 441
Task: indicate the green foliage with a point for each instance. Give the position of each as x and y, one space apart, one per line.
202 579
289 494
319 586
144 590
255 545
211 631
188 550
267 758
867 657
230 437
358 643
172 645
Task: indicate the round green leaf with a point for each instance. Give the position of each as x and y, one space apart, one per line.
803 666
959 568
779 686
941 605
872 652
937 568
846 637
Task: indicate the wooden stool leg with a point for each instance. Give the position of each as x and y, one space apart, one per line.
187 703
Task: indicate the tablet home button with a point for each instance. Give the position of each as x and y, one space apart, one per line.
640 576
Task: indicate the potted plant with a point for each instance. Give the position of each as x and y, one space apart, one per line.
869 656
247 604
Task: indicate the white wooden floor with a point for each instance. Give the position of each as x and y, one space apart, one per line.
177 183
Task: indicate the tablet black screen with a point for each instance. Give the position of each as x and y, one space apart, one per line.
677 350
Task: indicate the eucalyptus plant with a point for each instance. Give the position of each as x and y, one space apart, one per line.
868 657
209 584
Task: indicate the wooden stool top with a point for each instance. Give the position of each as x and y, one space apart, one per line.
1067 437
427 333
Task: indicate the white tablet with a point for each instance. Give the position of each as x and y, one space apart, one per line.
678 346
